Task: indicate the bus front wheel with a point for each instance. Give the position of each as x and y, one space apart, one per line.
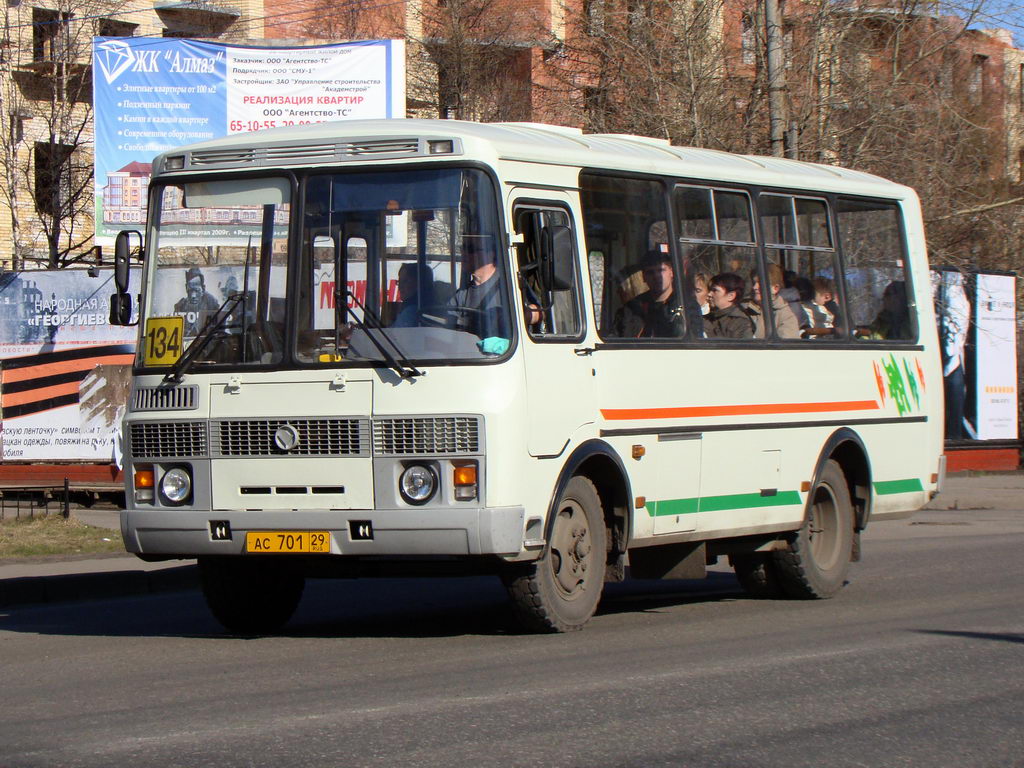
758 574
250 595
815 563
560 591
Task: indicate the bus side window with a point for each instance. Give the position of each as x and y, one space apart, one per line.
547 268
625 221
716 243
799 247
878 288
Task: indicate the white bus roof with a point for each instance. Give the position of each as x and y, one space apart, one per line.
402 139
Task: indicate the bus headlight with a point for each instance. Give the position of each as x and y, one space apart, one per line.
417 484
176 485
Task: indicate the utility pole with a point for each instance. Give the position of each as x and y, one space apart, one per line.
776 78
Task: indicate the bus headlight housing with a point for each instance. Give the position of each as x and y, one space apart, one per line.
417 484
176 485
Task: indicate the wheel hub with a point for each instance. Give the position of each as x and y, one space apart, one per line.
570 551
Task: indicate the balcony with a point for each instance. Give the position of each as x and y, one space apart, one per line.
196 14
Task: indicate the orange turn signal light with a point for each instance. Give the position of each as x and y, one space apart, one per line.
464 475
144 478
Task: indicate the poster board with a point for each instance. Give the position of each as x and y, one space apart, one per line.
64 370
151 94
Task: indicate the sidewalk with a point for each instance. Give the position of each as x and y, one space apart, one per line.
87 578
61 580
964 490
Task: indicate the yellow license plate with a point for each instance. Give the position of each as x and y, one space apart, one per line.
163 340
291 542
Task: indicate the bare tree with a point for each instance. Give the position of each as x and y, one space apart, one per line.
474 59
663 69
896 88
46 140
911 94
349 20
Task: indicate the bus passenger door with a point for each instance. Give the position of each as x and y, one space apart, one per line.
559 374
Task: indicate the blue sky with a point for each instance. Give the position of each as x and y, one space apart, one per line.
1000 13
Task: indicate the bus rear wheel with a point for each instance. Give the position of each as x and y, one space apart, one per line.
815 563
560 591
250 595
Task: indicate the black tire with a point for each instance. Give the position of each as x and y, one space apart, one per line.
815 563
250 595
758 574
560 591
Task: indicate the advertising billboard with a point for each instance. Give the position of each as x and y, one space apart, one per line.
154 94
64 371
976 313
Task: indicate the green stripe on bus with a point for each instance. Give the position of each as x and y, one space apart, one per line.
898 486
672 507
720 503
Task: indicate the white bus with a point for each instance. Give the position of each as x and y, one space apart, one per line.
426 347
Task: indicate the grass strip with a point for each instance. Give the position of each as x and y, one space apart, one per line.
53 535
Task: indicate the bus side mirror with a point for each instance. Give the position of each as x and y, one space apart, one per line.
121 309
556 258
122 254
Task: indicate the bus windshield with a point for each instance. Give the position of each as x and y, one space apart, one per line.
418 256
218 261
391 264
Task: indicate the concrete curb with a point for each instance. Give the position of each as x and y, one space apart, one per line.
72 587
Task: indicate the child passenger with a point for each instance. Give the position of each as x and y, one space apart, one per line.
824 307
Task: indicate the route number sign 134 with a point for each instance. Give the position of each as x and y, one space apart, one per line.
163 340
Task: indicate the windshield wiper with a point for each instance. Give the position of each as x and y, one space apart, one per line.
202 340
398 362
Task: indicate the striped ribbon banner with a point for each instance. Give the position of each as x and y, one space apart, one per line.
41 382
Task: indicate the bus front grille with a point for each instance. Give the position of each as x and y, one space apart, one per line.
417 436
165 398
253 438
290 437
167 439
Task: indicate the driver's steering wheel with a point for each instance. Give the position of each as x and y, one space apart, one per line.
427 314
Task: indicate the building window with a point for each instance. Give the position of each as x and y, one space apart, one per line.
976 82
115 28
594 10
50 34
748 41
52 177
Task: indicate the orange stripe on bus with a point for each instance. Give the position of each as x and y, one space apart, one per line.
35 395
65 366
761 409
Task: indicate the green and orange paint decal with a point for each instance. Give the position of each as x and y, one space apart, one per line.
896 381
732 501
753 409
900 383
721 503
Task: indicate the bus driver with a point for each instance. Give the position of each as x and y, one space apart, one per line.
479 306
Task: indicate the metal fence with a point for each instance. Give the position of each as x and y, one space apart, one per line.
35 501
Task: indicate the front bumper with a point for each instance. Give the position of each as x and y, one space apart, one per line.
403 532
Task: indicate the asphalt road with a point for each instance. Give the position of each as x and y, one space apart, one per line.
918 662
